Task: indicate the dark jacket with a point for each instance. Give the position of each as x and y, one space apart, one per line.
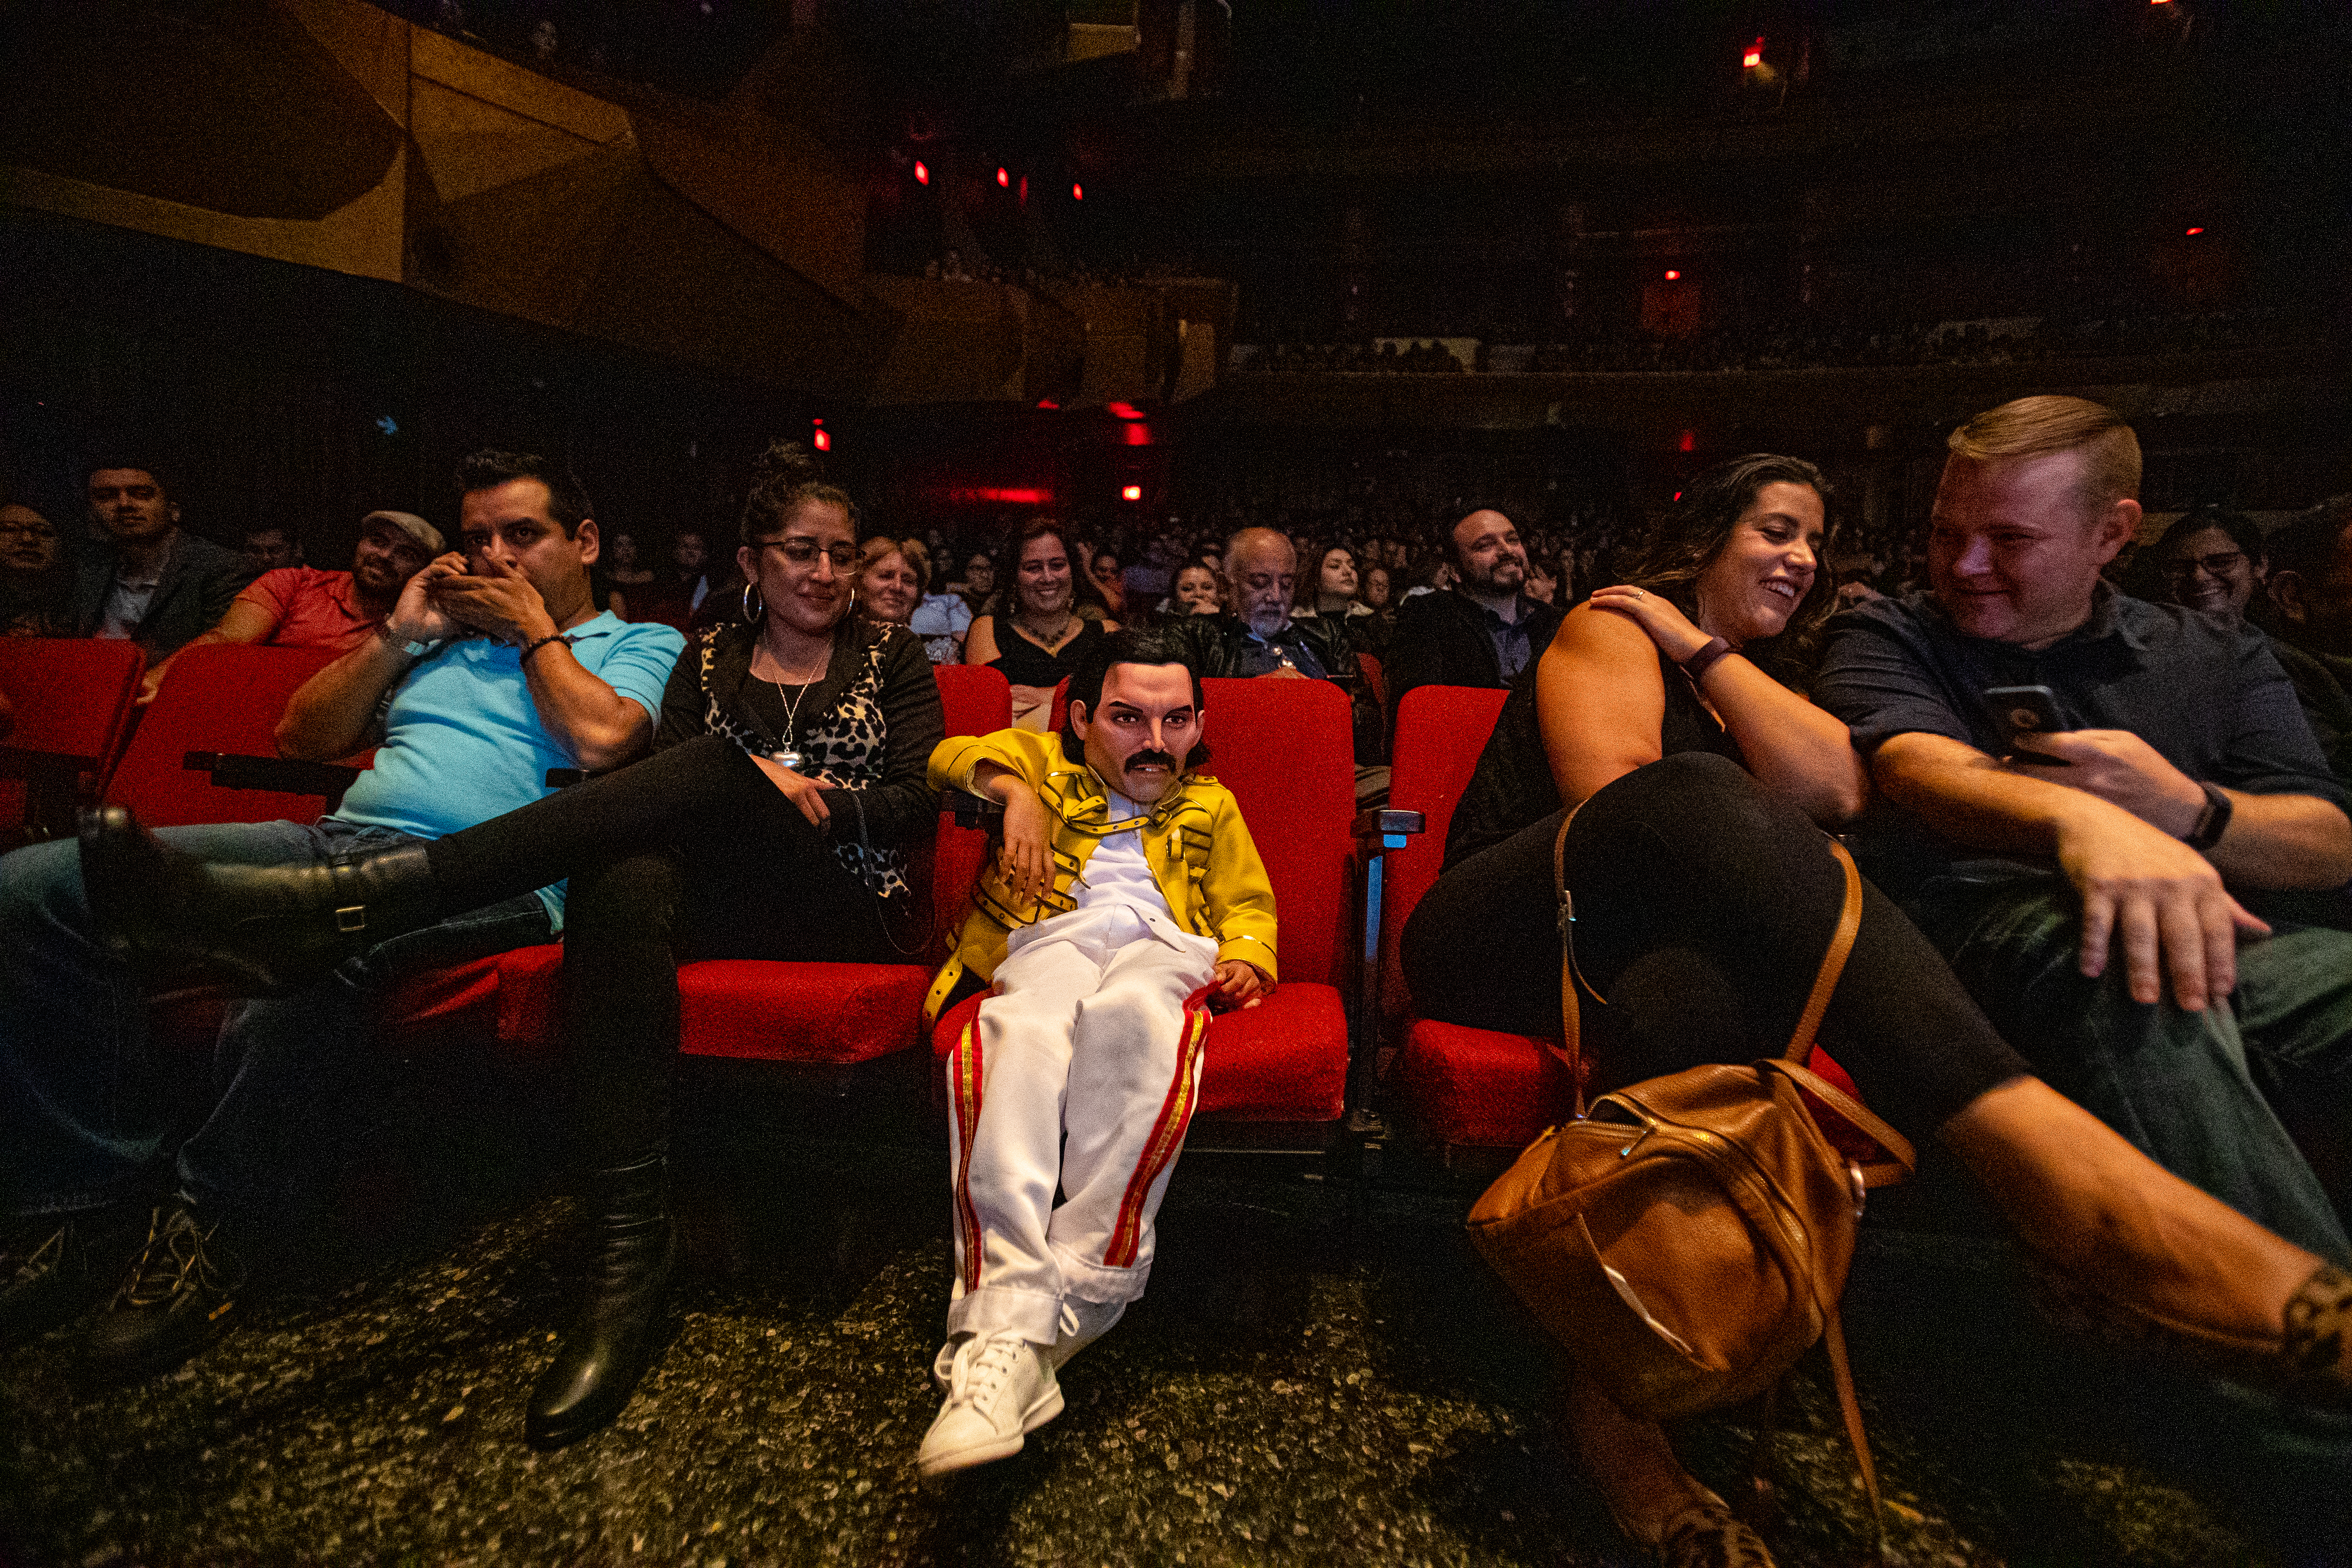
1441 639
200 581
1216 642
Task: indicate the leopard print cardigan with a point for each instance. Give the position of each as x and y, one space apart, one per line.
847 748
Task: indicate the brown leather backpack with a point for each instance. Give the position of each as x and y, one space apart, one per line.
1689 1239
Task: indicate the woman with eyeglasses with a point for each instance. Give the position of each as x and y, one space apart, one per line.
771 821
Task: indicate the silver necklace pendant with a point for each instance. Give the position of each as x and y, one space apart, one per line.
788 756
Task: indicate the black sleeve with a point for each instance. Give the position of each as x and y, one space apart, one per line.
1417 652
683 714
903 807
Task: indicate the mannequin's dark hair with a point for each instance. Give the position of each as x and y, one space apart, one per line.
1128 645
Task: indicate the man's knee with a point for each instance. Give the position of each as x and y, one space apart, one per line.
40 886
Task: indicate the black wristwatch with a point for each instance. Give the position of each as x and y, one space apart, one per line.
2213 822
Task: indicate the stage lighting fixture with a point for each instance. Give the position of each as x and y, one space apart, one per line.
1754 56
922 173
1004 177
1077 193
1673 276
2198 229
1131 492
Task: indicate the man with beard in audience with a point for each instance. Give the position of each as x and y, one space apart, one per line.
1260 639
1482 631
301 607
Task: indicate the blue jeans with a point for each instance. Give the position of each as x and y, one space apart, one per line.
2183 1087
83 1108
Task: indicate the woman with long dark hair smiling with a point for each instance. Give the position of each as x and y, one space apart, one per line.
1666 730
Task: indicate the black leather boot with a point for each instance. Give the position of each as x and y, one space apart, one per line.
606 1350
257 931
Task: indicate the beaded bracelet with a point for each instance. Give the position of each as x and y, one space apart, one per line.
551 636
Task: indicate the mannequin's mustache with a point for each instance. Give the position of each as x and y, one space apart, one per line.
1150 759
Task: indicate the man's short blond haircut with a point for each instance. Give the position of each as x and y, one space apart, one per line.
2037 426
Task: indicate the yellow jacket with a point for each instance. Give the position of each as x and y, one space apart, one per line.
1199 852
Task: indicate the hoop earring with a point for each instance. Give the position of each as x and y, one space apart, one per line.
750 615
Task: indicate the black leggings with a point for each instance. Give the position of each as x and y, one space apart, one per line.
1704 905
689 854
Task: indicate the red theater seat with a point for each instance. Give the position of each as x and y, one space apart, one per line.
222 698
72 701
1285 749
813 1015
1463 1088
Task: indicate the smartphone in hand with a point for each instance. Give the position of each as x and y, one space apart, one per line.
2024 710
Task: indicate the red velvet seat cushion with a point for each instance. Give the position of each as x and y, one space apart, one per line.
831 1013
1286 1060
1481 1089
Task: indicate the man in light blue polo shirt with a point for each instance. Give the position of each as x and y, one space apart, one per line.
493 668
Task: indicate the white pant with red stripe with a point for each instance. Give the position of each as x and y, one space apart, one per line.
1081 1071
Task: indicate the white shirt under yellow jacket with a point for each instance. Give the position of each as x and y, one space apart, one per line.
1199 852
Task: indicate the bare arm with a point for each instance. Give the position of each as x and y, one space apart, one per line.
2272 840
1601 705
979 641
2142 889
1795 749
594 724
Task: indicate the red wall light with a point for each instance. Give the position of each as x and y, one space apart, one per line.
1755 55
823 441
1077 193
1673 276
1689 443
922 173
1131 492
2198 229
1004 177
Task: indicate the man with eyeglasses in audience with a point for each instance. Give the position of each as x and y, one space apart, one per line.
35 589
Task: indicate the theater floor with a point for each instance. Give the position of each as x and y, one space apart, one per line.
1288 1393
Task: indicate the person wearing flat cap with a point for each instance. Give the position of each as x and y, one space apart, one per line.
301 607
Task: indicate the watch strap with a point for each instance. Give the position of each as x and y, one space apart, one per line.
2215 821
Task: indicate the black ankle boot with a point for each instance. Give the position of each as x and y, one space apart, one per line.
606 1350
258 931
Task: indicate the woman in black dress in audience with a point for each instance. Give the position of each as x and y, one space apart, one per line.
1043 640
1705 893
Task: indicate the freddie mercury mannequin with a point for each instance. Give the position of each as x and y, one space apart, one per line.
1128 895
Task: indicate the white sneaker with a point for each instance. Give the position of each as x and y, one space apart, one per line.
1083 1322
999 1389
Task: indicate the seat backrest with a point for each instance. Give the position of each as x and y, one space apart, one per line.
973 699
1286 751
1440 731
216 697
72 698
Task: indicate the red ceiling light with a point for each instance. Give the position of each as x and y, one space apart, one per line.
1673 276
1004 177
1047 403
823 441
1131 492
922 173
1077 193
2198 229
1754 56
1689 443
1123 410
